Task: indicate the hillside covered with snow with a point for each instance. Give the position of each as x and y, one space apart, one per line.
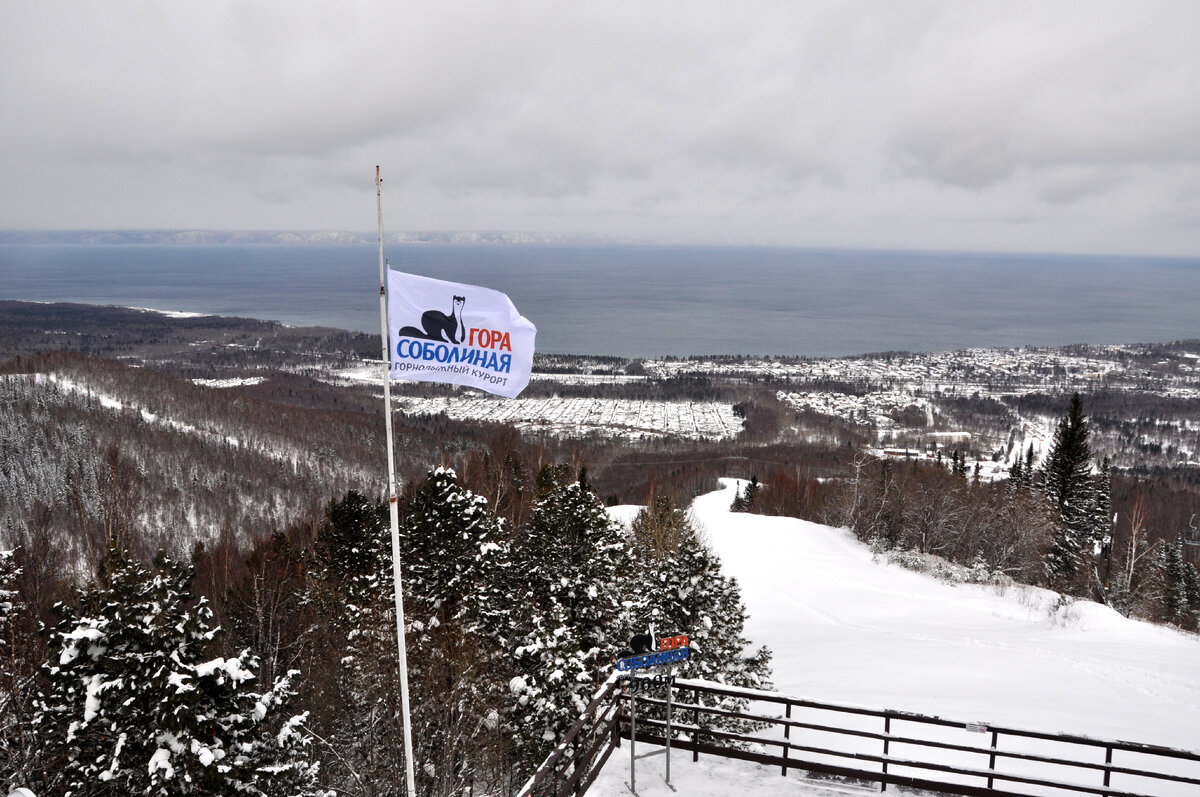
845 628
848 628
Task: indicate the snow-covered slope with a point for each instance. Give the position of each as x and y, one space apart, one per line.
846 629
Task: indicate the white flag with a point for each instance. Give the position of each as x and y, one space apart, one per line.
463 334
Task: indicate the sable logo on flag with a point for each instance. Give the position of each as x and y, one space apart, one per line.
441 326
479 340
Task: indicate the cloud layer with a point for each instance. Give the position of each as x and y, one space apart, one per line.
1067 126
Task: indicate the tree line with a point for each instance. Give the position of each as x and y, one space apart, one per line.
1053 524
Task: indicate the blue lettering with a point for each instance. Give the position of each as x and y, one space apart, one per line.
505 362
442 353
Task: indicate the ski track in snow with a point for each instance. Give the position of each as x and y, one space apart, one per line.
847 629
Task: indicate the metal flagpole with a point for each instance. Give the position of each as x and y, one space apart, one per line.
393 508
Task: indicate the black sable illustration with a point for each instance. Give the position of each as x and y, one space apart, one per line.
437 325
639 644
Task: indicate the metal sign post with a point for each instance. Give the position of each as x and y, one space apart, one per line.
667 777
632 739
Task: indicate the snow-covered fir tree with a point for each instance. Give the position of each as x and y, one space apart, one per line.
458 581
18 745
136 704
358 704
1177 585
553 686
1066 479
572 554
574 563
687 593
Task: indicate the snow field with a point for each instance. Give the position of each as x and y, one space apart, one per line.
849 630
582 416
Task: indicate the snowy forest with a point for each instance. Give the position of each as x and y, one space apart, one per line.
284 681
195 556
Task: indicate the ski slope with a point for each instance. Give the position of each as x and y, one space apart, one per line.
847 629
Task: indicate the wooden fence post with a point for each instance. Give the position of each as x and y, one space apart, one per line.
887 731
696 725
992 757
787 737
1107 766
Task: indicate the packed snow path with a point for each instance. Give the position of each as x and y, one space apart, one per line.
845 628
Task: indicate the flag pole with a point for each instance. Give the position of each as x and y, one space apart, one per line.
393 508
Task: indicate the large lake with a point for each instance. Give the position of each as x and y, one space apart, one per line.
651 301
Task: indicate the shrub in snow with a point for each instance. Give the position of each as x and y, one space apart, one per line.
137 704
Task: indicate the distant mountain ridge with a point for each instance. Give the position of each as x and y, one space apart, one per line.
292 237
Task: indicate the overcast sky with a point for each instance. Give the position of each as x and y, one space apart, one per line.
1047 126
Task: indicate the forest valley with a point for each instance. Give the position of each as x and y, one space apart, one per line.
195 589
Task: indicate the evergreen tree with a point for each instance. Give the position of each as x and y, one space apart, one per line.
1066 480
743 500
358 703
18 745
687 594
1178 585
574 563
572 554
554 684
136 705
459 580
1099 504
958 464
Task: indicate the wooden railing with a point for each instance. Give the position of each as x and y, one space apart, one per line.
867 747
574 764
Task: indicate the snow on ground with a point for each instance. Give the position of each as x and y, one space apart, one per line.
709 777
233 382
574 417
847 629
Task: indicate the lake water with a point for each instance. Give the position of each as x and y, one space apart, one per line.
651 301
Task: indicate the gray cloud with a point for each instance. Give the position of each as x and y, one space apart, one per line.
1020 125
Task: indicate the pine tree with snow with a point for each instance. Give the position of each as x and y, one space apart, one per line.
136 704
573 555
574 564
1178 585
688 594
1066 480
18 745
458 579
357 703
554 684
